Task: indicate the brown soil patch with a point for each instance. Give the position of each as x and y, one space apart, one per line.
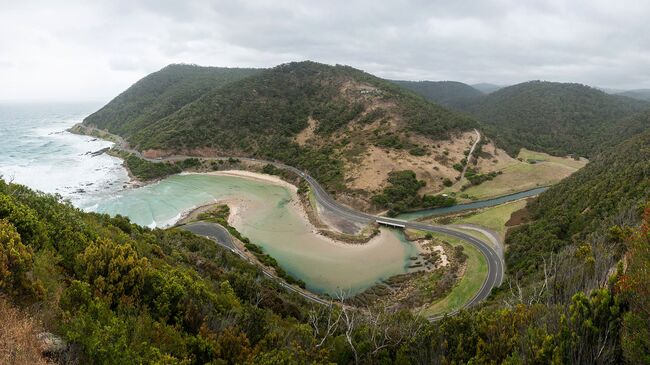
519 217
370 171
492 159
308 133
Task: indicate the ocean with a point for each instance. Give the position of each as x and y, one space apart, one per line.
37 151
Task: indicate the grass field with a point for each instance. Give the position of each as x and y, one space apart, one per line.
569 162
469 284
523 175
494 218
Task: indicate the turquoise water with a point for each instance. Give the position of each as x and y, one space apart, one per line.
474 205
271 222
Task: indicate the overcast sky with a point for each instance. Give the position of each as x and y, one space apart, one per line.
75 50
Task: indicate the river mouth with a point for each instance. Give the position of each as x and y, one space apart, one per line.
269 216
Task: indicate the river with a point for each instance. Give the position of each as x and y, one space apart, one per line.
473 205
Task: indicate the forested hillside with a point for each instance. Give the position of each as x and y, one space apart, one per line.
451 94
556 118
611 190
325 119
161 94
118 293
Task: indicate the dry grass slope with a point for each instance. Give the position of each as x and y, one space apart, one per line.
18 342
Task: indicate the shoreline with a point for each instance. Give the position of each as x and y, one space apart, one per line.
239 206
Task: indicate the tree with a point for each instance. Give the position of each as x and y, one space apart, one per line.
115 271
16 261
634 287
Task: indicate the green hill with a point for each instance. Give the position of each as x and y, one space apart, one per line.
161 94
314 116
551 117
611 190
451 94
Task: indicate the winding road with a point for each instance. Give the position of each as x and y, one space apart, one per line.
494 258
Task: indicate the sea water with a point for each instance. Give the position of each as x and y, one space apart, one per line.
37 151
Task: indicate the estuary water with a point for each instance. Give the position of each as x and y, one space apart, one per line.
270 220
36 151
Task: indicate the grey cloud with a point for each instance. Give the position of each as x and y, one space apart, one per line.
596 42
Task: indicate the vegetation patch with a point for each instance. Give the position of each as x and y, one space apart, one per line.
494 218
519 175
472 279
402 194
145 170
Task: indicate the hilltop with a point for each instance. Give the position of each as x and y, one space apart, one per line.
348 128
452 94
160 94
557 118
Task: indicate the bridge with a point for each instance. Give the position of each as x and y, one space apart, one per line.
391 223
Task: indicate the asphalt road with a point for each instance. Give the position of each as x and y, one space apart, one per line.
213 231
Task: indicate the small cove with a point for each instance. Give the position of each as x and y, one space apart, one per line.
270 219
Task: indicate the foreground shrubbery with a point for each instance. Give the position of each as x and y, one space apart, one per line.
127 294
121 293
